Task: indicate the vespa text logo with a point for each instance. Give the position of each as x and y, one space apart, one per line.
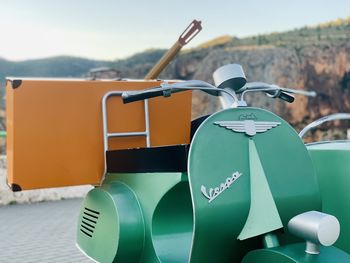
215 192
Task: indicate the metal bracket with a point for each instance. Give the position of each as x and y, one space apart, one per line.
107 135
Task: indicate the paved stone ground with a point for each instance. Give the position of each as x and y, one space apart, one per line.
40 232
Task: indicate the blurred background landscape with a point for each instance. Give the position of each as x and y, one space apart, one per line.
312 57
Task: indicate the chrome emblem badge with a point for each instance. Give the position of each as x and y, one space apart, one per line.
212 193
249 127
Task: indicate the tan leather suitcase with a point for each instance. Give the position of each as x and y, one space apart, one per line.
55 134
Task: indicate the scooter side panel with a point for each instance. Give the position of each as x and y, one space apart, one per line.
332 164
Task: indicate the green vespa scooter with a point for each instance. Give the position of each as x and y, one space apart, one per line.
244 190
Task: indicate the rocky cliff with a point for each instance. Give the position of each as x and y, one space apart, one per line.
322 65
324 68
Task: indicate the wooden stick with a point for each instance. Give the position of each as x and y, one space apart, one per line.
191 31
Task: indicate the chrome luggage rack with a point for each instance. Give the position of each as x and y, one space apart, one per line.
107 134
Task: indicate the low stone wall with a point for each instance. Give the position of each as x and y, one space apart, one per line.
30 196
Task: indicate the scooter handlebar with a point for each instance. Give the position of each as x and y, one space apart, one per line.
275 91
166 90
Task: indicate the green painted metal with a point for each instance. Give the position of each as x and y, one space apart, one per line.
216 154
294 253
197 218
261 201
165 202
332 163
3 134
270 240
111 226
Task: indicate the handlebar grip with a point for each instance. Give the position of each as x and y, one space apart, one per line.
286 97
131 96
281 95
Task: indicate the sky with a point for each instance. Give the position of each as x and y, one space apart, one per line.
108 30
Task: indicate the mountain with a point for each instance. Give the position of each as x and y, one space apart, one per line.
313 58
64 66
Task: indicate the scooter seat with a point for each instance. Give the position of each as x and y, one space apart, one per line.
148 160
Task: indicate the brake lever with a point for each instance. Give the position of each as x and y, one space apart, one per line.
300 92
275 91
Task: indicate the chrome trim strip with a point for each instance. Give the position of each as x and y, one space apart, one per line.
332 117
